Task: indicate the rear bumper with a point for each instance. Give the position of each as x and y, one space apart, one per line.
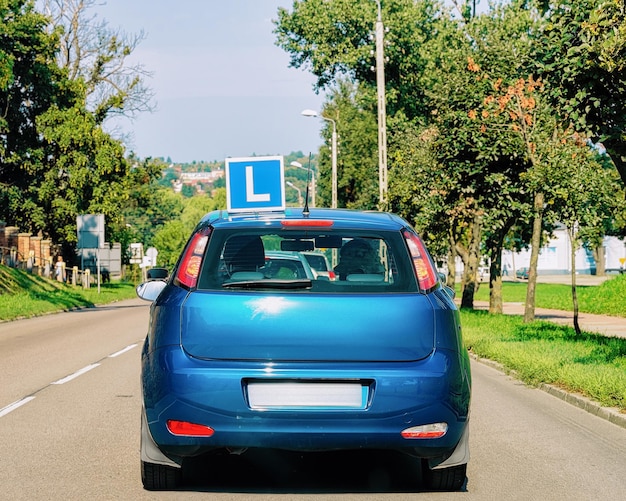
213 393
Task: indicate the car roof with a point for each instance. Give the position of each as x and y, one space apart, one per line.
284 254
341 218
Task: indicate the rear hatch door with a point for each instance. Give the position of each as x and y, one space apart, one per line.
307 327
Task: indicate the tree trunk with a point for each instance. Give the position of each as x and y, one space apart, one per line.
452 254
470 273
495 275
529 309
572 241
600 258
616 148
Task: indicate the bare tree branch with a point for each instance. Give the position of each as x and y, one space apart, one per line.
98 55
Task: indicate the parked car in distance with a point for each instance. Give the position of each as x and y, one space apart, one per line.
319 262
239 357
522 273
287 265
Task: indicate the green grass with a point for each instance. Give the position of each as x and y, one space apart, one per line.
23 295
606 299
542 352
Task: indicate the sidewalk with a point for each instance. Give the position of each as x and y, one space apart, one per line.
601 324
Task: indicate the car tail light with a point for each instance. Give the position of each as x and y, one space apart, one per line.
332 275
433 430
189 267
184 428
424 268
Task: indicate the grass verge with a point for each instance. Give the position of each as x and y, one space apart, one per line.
604 299
23 295
542 352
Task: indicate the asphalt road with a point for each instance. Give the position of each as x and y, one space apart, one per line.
69 429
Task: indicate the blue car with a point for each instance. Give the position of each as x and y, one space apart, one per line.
238 357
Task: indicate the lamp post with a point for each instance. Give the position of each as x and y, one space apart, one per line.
333 149
313 183
382 113
289 183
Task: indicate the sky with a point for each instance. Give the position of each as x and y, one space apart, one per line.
222 87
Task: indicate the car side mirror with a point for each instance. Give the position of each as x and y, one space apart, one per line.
149 291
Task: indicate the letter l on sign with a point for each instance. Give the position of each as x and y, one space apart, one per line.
251 196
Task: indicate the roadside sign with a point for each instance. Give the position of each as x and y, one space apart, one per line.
136 253
90 229
151 256
255 184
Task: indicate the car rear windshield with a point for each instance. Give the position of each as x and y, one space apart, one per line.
266 259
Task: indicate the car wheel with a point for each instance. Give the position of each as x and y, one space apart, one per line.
444 479
158 477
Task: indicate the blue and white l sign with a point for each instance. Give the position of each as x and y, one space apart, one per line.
255 184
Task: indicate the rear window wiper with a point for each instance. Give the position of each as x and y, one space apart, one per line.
269 284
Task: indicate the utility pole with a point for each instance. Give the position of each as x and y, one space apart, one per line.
382 112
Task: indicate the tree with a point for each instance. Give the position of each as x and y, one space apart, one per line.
32 90
334 39
97 55
169 241
56 161
606 31
352 107
140 184
584 200
563 176
83 173
150 205
460 177
582 52
482 167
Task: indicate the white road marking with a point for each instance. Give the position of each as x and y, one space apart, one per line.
15 405
117 353
76 374
11 407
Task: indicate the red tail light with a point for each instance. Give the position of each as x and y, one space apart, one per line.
424 268
306 222
189 267
184 428
427 431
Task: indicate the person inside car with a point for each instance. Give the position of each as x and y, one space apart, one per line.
358 257
243 254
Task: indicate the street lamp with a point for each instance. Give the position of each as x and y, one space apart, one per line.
333 149
313 183
289 183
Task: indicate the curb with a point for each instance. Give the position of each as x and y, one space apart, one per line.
607 413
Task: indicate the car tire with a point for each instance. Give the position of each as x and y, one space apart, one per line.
444 479
158 477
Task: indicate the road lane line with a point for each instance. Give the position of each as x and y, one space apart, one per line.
11 407
15 405
76 374
117 353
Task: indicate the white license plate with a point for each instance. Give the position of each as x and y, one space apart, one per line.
283 394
